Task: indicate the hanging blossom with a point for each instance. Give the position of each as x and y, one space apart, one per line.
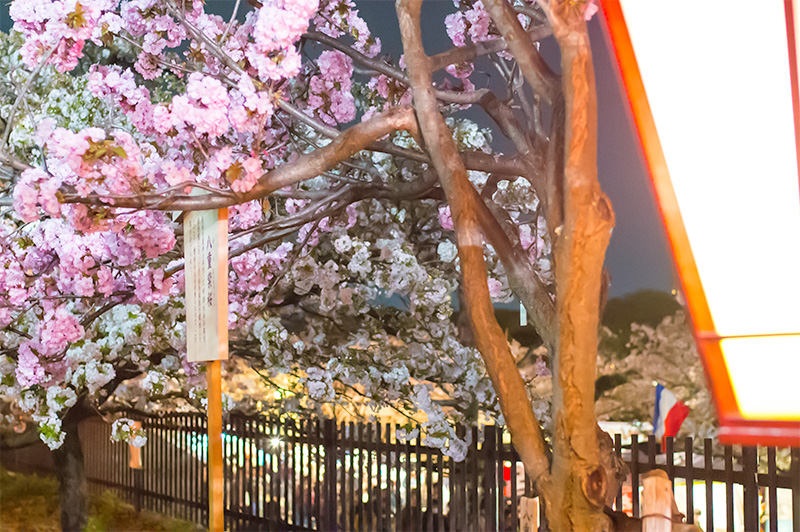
279 25
337 17
330 90
64 25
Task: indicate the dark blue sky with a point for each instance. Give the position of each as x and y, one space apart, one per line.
638 256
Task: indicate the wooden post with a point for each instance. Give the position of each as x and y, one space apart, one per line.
216 514
528 514
656 502
206 278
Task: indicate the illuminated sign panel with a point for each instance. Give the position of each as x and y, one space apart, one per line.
714 98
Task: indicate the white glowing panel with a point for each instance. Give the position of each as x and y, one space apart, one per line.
717 80
764 372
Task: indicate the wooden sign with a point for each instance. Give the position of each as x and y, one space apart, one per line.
205 249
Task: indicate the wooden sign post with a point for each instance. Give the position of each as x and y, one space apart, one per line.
206 274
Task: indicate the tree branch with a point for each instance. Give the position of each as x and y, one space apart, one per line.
306 166
489 337
536 72
470 52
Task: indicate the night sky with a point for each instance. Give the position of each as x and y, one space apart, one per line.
638 257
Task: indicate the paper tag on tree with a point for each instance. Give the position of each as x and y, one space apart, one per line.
205 251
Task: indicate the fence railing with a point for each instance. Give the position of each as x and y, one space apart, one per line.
319 475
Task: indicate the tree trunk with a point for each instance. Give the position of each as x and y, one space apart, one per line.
72 486
579 480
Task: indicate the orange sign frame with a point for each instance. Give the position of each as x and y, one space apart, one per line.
734 428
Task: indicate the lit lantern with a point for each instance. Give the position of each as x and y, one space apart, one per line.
714 91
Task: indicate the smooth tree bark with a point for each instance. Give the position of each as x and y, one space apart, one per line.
579 482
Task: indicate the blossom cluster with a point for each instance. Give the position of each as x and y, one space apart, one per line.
127 430
349 301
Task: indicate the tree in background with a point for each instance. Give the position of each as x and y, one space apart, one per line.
658 349
360 199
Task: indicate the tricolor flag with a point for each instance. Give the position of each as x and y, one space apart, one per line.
669 414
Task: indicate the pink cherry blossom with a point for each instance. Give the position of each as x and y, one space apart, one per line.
445 220
29 371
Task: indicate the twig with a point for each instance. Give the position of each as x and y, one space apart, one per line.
23 93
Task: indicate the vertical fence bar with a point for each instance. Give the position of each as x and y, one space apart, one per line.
651 452
366 517
296 470
500 478
407 509
729 487
794 474
670 457
299 441
689 463
160 480
474 460
708 463
397 484
330 475
750 488
351 481
261 461
430 505
618 452
175 469
441 522
177 423
198 467
382 458
490 478
284 470
772 481
318 488
635 474
248 485
514 498
341 503
418 476
275 511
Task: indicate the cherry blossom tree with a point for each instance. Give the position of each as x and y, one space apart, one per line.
361 202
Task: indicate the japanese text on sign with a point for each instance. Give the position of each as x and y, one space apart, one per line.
206 267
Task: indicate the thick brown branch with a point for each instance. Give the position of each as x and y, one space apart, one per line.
532 65
489 336
522 278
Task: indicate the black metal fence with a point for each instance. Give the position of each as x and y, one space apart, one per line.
319 475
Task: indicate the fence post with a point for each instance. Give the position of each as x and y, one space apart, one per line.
750 488
657 501
795 474
329 478
490 477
